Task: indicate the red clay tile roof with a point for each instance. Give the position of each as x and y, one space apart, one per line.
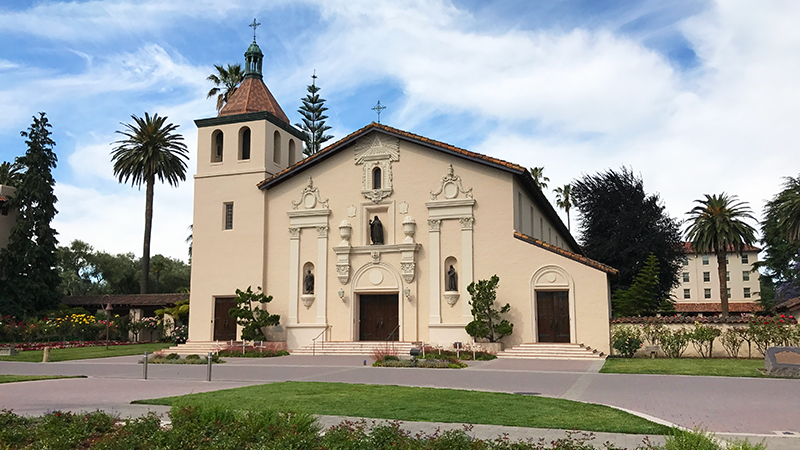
687 247
558 250
126 300
787 305
737 307
253 96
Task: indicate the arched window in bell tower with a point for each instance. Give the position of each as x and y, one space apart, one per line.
216 146
244 143
276 147
376 178
292 153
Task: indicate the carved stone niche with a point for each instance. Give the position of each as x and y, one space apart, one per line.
375 154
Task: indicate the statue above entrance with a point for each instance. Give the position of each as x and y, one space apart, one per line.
376 231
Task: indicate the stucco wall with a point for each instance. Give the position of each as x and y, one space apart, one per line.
6 221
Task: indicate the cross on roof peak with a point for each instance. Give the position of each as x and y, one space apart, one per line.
254 25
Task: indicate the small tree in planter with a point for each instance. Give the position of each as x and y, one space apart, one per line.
251 313
486 323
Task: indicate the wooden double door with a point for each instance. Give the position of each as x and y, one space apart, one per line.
224 325
552 316
378 318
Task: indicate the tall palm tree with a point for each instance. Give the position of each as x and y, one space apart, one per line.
229 78
150 149
9 174
716 225
785 207
564 200
538 177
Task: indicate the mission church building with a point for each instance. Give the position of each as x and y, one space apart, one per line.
377 236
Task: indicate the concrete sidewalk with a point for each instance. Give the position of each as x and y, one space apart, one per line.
759 408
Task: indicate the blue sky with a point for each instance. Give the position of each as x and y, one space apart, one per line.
696 96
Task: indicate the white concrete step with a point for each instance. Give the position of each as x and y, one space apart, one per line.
196 348
353 348
551 351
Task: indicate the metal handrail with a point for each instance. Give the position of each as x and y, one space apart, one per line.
314 341
390 334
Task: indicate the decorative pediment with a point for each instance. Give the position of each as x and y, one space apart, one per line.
377 149
375 155
451 186
309 197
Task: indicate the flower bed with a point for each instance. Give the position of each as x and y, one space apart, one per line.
70 344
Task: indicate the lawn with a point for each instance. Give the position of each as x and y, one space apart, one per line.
686 366
420 404
68 354
18 378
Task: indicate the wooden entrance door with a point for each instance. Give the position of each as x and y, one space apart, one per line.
552 316
224 325
378 318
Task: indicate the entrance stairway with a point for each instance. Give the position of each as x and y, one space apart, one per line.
551 351
354 348
200 348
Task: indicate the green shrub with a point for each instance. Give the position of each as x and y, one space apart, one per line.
703 337
172 356
732 340
192 357
674 343
626 340
252 353
391 358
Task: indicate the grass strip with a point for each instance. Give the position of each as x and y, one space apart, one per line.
420 404
69 354
686 366
20 378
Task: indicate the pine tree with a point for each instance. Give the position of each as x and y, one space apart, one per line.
313 126
28 264
642 298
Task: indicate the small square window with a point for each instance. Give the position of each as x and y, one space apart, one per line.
746 292
727 261
687 293
706 277
228 216
685 260
685 277
705 260
727 276
706 293
728 291
745 259
745 275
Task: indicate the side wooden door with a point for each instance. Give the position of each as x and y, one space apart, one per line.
224 325
552 316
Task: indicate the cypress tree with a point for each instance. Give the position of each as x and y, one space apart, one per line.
313 126
28 264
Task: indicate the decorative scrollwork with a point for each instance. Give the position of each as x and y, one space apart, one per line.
451 186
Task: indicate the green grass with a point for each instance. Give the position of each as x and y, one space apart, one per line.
18 378
420 404
686 366
69 354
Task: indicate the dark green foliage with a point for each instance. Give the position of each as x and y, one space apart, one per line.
642 298
621 225
251 313
626 340
28 276
486 323
229 78
151 149
717 225
313 126
85 271
780 235
252 353
9 174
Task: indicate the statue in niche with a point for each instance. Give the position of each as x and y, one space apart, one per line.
452 279
308 283
376 231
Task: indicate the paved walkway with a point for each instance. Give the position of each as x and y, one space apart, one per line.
752 407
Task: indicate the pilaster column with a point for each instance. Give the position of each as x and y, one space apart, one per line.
294 271
321 280
436 271
467 274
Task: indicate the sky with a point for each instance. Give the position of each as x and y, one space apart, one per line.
697 97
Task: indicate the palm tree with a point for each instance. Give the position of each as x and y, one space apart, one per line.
538 177
229 78
716 225
564 200
9 174
150 149
785 207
